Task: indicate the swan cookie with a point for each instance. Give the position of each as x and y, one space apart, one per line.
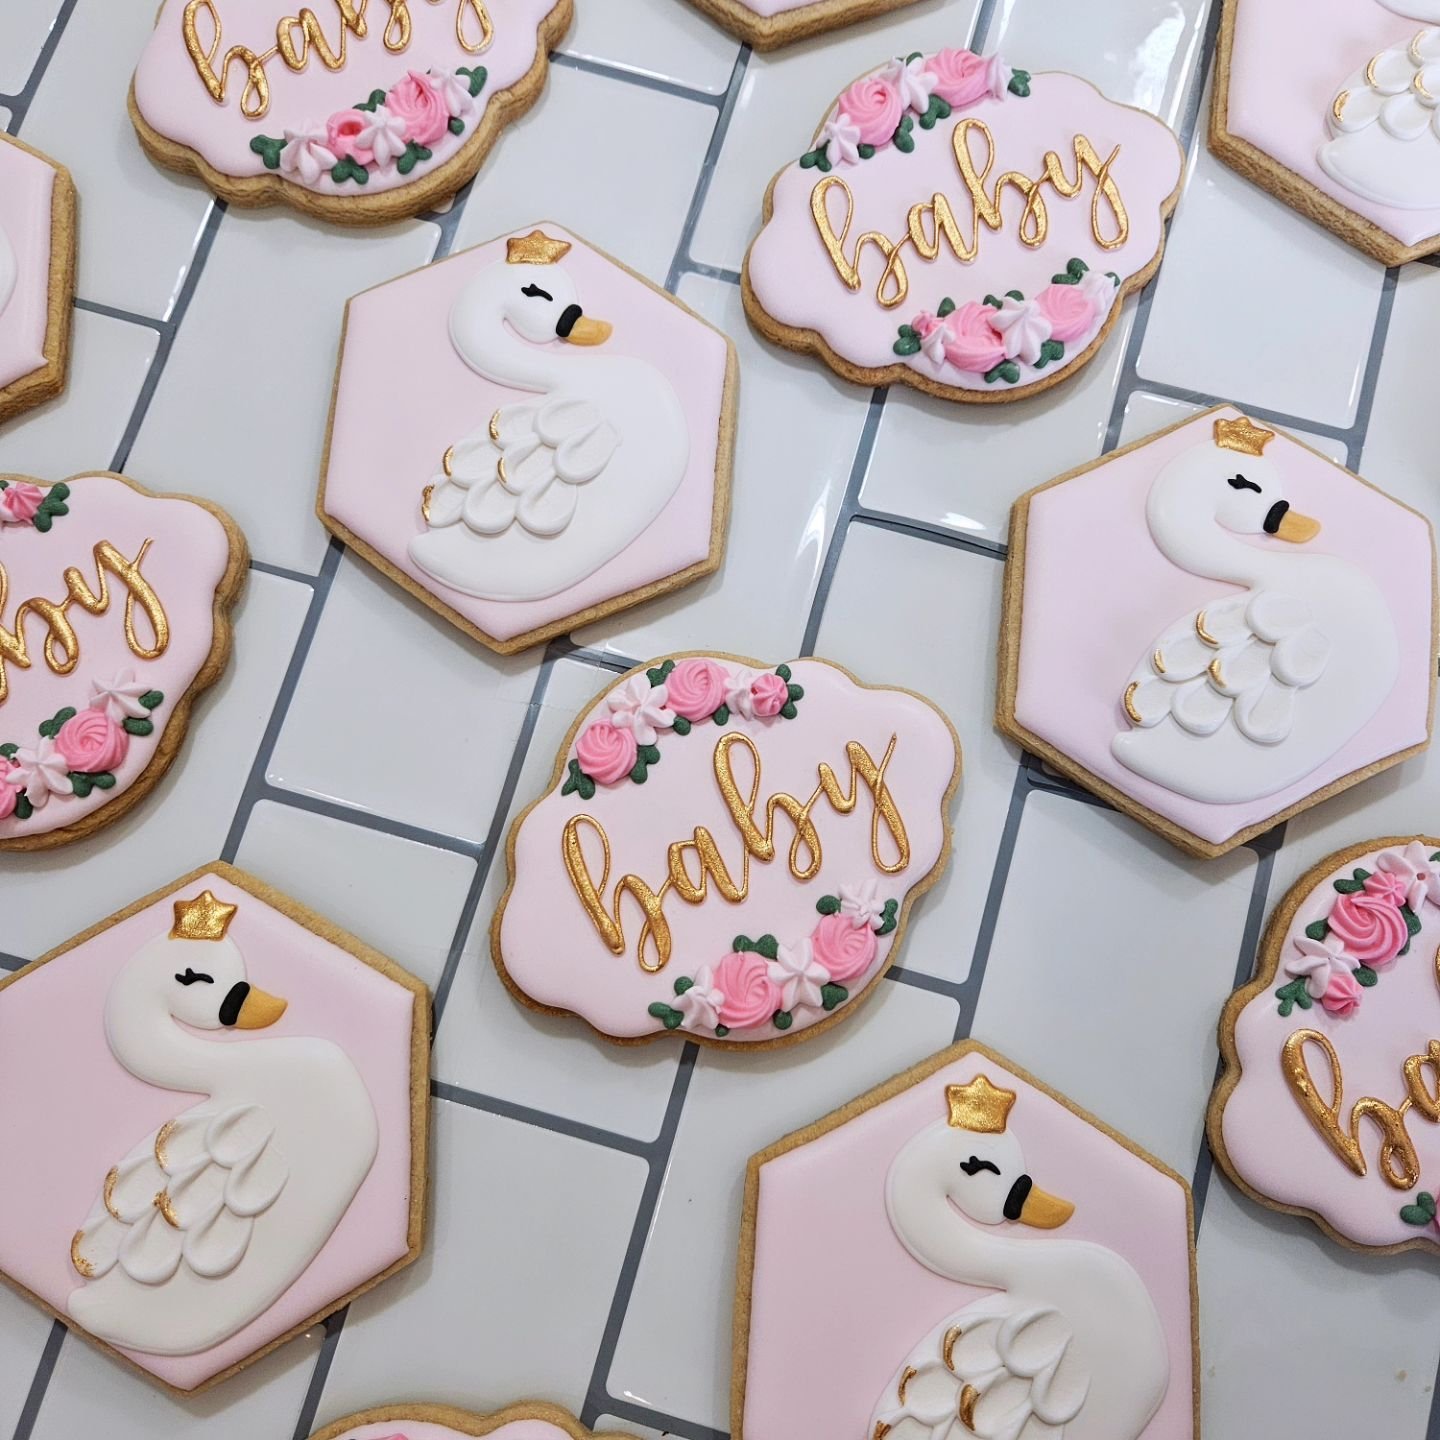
1247 628
352 111
977 1303
530 1421
727 851
1328 1104
962 227
567 451
37 275
192 1235
114 616
1345 127
768 24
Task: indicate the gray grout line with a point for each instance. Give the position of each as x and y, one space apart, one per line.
321 1373
634 1414
130 317
636 77
542 1119
925 530
365 820
1365 405
41 1383
264 567
19 105
12 962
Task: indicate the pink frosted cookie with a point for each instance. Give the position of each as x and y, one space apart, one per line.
768 24
901 1249
726 850
565 444
356 112
1217 627
530 1421
198 1191
114 615
962 227
37 275
1329 1102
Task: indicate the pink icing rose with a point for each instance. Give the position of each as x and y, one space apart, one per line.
1068 309
1388 887
341 132
421 106
770 693
91 742
751 996
972 342
1342 995
875 107
606 752
960 76
1370 925
19 502
844 949
9 794
696 688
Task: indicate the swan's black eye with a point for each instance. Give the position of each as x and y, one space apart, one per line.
534 292
974 1165
192 977
1239 482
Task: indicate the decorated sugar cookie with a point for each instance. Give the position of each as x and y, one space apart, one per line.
727 850
37 275
1346 129
1329 1102
530 1421
114 616
226 1125
568 450
1246 629
766 24
962 227
977 1303
354 111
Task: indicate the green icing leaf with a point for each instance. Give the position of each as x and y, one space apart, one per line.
1412 920
1421 1212
903 139
135 726
1015 294
782 1019
682 725
41 521
1050 350
375 99
478 76
947 307
1006 370
889 917
1292 995
671 1019
268 149
641 773
784 672
722 715
413 156
1348 887
796 692
152 699
865 152
349 169
683 984
1076 267
457 125
828 904
721 1031
768 946
938 109
1365 976
650 754
8 751
23 808
907 347
833 995
1318 929
993 301
1020 84
788 710
742 944
51 728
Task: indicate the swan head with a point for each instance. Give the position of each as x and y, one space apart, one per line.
973 1164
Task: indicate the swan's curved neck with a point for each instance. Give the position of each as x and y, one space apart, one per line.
508 360
162 1052
1189 536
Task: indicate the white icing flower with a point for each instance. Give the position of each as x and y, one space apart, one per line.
384 136
1414 866
641 707
1317 963
306 155
700 1004
42 772
998 76
913 81
800 976
119 697
862 904
454 90
932 345
842 135
1024 327
1099 289
739 699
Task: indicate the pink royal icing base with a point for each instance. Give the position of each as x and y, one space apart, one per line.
797 285
27 187
836 1295
376 473
188 557
426 1430
174 101
1270 1140
86 1110
1288 59
553 953
1075 661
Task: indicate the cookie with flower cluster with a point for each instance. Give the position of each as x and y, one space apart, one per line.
768 24
114 617
532 1420
962 226
726 850
1328 1103
354 112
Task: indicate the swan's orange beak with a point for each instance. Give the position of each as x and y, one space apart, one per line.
1044 1212
259 1010
586 331
1297 528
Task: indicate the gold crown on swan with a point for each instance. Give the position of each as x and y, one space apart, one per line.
536 248
979 1106
204 918
1241 435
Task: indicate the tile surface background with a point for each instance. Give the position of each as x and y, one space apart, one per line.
568 1178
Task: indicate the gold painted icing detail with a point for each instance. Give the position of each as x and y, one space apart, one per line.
1136 718
1158 661
1421 88
968 1396
478 19
166 1207
109 1192
1370 68
1242 436
162 1139
82 1265
536 248
447 460
947 1347
1213 671
494 433
503 477
1203 633
1413 49
881 1430
1337 109
907 1375
426 495
979 1107
204 918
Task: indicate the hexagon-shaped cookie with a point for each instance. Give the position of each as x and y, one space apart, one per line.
37 275
529 436
903 1250
219 1119
533 1420
1216 627
768 24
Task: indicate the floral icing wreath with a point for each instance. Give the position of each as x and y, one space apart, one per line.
78 750
989 337
881 109
673 696
1370 925
22 503
764 982
397 127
